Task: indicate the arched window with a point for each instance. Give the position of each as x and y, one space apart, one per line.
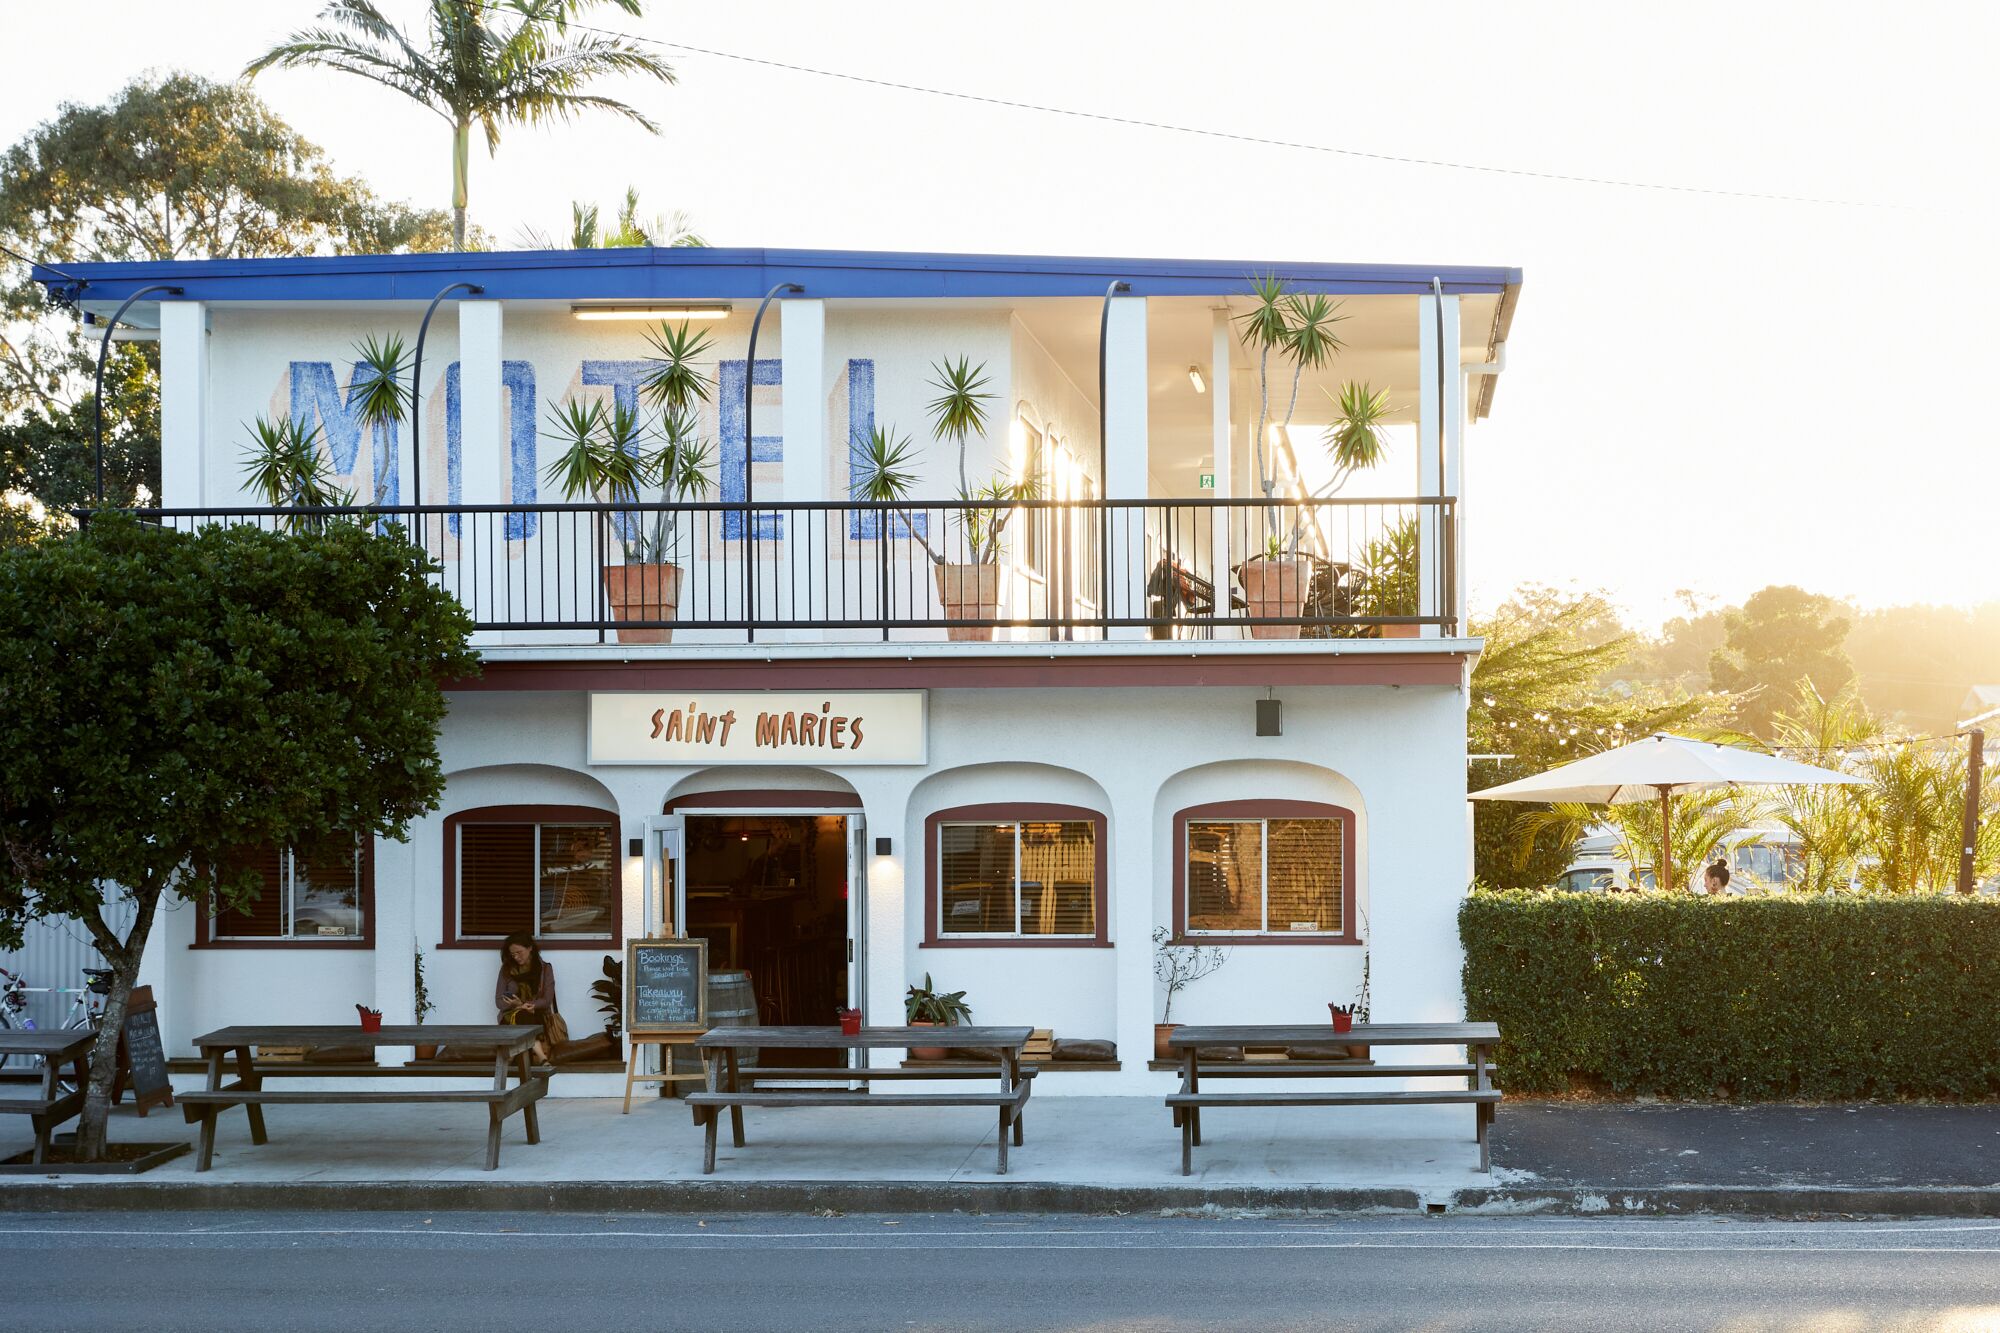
1265 872
1015 874
549 870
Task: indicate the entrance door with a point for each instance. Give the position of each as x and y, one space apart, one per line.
857 920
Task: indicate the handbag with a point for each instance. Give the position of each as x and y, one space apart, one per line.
554 1030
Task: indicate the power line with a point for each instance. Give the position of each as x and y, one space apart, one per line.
1232 137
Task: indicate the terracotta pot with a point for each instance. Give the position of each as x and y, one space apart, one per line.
427 1052
927 1052
1273 588
969 592
643 592
1402 631
1162 1031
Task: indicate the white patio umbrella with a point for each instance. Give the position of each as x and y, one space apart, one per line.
1662 764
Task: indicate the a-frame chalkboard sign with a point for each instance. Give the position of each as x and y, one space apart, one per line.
142 1060
666 1005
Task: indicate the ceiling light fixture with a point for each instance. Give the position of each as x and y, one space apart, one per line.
1194 378
716 310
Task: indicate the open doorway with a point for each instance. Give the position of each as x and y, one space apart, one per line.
769 894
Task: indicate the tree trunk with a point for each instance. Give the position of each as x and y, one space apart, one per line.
124 957
461 155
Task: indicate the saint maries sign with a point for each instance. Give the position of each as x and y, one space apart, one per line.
759 727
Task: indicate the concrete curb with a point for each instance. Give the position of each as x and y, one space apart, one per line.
718 1197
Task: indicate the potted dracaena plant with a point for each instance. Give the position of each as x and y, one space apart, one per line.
606 457
968 587
925 1006
1300 329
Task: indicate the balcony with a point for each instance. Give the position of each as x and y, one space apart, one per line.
919 572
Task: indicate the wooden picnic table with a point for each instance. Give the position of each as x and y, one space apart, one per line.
509 1045
66 1046
1479 1040
733 1087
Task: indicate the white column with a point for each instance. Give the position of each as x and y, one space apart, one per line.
1220 557
1452 420
803 367
184 405
484 452
1125 456
482 419
1132 898
394 931
1440 405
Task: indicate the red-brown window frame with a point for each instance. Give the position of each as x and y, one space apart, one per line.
530 814
1266 810
204 933
1019 812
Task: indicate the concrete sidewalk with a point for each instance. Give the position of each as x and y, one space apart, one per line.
1092 1154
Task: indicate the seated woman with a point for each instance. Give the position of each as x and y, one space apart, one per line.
526 993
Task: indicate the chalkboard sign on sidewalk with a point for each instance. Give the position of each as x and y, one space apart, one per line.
666 986
142 1061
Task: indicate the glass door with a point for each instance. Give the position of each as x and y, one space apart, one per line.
664 905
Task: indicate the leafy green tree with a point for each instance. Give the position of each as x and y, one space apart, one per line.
1914 810
1782 635
484 62
1540 698
172 697
1828 824
174 166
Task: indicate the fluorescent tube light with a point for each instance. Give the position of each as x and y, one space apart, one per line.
1194 378
716 310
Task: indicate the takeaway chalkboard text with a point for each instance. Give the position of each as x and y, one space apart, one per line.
666 986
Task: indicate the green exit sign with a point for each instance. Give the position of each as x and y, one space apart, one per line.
1208 481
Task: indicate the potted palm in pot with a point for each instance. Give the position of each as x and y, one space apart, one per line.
968 586
606 457
925 1007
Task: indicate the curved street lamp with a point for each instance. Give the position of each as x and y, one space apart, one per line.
416 383
103 351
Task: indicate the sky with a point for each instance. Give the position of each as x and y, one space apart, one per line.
1704 391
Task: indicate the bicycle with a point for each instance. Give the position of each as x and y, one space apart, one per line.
86 1010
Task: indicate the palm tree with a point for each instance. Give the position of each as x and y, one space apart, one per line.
490 62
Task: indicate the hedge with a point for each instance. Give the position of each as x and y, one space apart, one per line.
1743 998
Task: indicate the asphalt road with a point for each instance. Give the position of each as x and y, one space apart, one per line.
445 1272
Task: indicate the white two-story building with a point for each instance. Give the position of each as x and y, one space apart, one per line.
815 748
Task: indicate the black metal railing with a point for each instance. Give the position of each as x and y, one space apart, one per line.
1042 569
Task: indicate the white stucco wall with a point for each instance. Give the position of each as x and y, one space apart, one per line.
1394 755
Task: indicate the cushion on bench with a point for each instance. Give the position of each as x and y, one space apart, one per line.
1083 1049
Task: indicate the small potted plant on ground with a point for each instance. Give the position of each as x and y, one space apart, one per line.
924 1007
1178 966
609 992
424 1007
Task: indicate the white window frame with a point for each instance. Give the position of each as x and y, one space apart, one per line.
1016 934
534 927
1263 929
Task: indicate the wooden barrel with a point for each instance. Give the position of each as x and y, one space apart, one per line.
732 1003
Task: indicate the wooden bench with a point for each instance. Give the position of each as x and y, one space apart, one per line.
510 1045
733 1087
66 1046
1479 1039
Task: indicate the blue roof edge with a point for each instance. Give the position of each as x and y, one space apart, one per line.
645 273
